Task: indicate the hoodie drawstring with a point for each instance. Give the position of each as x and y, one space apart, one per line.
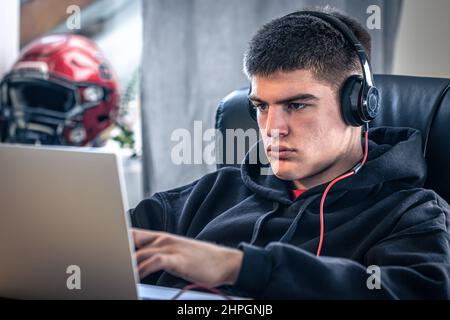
261 219
293 227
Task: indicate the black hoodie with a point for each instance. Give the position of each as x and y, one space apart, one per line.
380 217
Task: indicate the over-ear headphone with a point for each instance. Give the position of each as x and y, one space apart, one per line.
360 99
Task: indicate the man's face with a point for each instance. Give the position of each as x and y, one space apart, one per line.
300 122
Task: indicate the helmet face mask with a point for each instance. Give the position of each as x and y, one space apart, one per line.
60 91
41 95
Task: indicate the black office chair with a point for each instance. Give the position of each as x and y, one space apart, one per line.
416 102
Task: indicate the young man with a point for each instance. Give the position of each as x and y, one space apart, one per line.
384 235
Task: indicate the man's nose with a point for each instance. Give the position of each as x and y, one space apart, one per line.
276 124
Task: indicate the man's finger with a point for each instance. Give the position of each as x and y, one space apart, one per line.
143 238
148 252
155 263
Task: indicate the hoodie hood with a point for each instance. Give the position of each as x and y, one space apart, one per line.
395 157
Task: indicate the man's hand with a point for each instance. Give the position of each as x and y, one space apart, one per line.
196 261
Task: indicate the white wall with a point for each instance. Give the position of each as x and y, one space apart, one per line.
423 43
9 34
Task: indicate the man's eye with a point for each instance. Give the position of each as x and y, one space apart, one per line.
262 107
296 106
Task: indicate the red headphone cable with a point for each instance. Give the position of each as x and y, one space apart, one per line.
195 285
330 185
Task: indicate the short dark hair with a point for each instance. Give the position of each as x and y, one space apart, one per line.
306 42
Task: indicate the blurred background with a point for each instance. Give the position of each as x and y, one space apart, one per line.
115 26
176 59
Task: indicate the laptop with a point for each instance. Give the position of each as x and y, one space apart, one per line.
64 231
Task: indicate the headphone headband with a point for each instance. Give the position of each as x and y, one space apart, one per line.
349 35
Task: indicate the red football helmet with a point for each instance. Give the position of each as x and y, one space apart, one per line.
60 91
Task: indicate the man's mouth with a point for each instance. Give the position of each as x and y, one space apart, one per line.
280 152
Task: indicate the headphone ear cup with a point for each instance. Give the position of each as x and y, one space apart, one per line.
351 92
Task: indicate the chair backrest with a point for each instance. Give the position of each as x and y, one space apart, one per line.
417 102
